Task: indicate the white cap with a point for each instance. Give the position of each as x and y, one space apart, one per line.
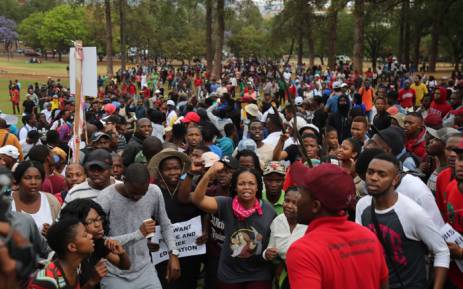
10 151
157 91
209 159
300 122
298 100
170 102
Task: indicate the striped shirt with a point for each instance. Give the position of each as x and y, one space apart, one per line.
84 191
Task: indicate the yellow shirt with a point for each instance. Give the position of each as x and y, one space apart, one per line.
54 104
420 91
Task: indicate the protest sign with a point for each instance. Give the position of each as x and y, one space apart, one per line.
185 234
451 236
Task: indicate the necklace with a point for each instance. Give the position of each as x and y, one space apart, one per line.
172 194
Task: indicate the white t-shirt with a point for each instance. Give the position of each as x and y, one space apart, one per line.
281 237
414 188
43 215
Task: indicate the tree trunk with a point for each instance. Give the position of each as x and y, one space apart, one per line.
359 15
435 34
122 12
60 56
401 34
217 71
109 38
311 47
406 44
332 36
209 44
416 46
300 47
291 48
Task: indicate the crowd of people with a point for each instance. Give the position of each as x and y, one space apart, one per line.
267 176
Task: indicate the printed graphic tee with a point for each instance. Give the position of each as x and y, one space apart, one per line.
241 255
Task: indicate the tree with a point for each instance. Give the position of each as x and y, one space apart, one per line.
217 70
209 43
109 37
8 33
62 25
376 33
452 31
29 30
359 14
122 11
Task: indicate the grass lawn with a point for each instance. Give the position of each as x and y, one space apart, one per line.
30 73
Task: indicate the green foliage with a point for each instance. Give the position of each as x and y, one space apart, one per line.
61 26
29 30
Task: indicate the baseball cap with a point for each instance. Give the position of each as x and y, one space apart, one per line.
209 159
399 117
98 135
170 102
10 151
443 133
191 117
247 144
328 183
433 119
230 162
99 157
298 100
109 108
274 167
252 109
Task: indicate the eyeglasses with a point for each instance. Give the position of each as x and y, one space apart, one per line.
94 221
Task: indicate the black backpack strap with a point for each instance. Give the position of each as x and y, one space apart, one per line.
387 248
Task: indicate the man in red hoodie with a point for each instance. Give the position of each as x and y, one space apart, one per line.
415 134
440 105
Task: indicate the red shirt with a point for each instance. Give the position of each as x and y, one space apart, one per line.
407 97
336 254
443 179
454 216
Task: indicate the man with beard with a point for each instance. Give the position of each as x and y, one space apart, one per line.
98 168
405 230
453 214
143 130
331 241
340 119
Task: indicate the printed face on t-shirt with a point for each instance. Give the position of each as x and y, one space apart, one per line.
245 243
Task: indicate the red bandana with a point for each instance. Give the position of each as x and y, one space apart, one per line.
242 213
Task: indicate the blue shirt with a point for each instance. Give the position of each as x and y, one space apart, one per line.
332 103
226 145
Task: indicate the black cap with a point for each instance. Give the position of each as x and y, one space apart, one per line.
393 137
230 162
97 135
99 157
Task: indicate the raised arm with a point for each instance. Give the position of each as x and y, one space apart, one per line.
199 198
278 152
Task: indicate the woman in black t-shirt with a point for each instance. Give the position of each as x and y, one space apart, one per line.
247 220
94 219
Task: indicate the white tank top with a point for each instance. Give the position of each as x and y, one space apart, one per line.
43 215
